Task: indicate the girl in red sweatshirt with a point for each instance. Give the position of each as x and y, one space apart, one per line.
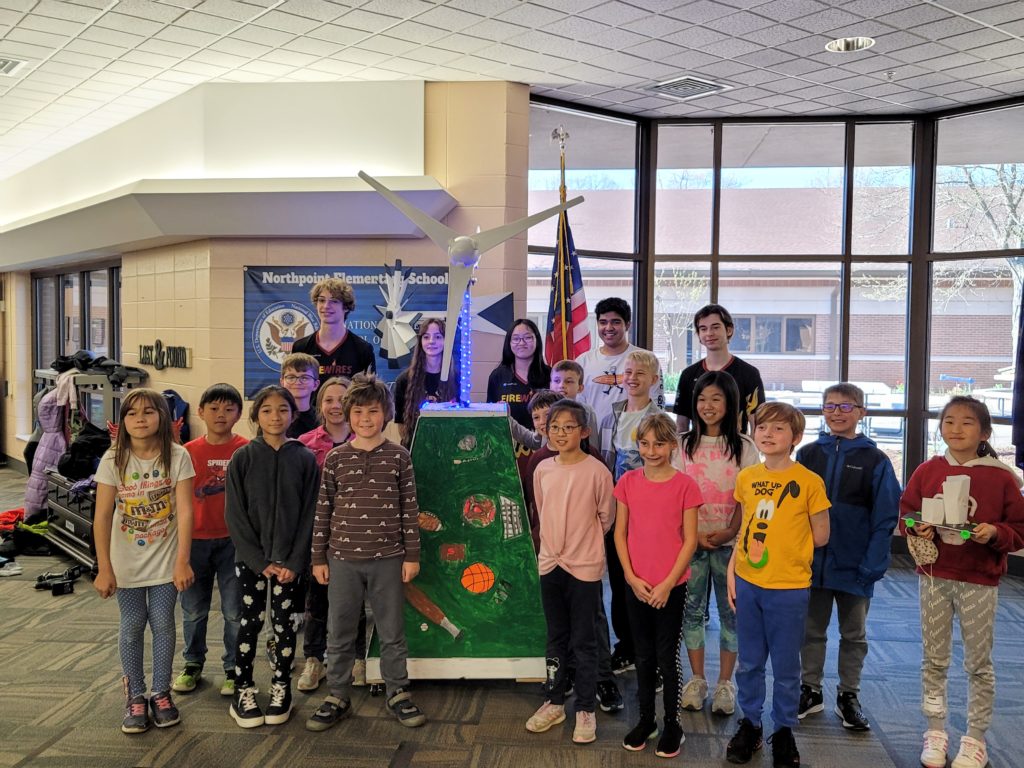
964 577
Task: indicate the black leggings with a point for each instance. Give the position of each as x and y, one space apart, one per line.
286 604
657 633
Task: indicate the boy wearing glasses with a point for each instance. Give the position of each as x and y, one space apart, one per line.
338 352
573 494
299 376
865 495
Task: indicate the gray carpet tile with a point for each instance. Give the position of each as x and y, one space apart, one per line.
60 700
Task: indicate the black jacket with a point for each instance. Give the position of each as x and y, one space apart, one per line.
271 499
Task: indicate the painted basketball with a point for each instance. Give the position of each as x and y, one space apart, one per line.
477 578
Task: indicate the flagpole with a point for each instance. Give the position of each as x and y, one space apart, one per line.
560 134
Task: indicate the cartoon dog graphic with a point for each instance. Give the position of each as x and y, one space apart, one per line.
756 544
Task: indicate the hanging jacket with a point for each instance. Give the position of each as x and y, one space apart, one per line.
865 495
51 446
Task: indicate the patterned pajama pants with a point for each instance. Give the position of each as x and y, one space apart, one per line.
976 607
286 607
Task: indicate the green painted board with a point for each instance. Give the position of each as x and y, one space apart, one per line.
478 592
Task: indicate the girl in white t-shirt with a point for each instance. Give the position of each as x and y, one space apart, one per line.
714 451
143 533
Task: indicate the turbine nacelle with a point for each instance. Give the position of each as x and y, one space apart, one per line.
463 251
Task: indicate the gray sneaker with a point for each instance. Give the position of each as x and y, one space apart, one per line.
136 716
165 714
694 694
723 702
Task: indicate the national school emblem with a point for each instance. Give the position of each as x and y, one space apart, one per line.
278 327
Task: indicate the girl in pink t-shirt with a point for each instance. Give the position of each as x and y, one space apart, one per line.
714 452
655 537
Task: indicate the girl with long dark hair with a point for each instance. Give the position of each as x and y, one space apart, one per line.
522 371
421 381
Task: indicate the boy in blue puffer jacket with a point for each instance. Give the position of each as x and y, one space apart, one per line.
865 494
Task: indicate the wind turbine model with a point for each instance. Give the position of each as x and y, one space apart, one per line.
463 252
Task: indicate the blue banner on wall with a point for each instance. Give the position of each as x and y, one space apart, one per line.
389 304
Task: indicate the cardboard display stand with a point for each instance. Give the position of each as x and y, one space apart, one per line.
474 611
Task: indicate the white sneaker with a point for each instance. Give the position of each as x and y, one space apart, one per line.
545 718
972 754
694 694
724 700
359 672
11 568
936 744
586 728
311 675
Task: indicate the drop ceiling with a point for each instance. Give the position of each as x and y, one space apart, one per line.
91 64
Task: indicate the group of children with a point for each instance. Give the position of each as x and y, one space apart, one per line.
307 529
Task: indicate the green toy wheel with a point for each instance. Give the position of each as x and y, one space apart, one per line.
909 521
965 535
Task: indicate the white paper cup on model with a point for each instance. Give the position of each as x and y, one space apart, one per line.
933 511
956 497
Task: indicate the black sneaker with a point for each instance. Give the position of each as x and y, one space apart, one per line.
280 708
642 732
165 714
671 740
608 697
622 663
245 710
745 743
811 702
400 705
848 708
784 754
332 711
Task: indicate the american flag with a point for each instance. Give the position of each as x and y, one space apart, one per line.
568 334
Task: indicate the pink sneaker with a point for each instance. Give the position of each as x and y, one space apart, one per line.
586 728
933 755
972 754
548 716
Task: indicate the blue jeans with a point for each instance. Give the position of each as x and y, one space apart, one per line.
769 623
708 564
211 558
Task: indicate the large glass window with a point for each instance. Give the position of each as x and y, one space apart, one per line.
680 289
881 188
684 189
979 182
878 328
786 324
782 189
602 279
46 325
99 312
72 304
972 311
600 165
76 310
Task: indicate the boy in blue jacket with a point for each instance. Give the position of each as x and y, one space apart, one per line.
865 495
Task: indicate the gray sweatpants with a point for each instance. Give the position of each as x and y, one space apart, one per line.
976 607
352 581
853 638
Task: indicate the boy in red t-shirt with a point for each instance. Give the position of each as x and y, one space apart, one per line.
213 554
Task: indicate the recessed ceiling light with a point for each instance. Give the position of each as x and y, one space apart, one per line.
849 44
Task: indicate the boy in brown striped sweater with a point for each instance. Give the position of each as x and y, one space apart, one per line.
366 544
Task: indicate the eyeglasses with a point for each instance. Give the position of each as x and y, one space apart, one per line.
568 429
298 379
523 339
321 300
844 407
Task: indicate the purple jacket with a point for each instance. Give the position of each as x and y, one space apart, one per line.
51 446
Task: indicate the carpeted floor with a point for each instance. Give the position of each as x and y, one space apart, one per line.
60 701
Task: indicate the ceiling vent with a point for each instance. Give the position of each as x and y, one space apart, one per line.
8 67
688 87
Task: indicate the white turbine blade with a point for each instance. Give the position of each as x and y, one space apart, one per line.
458 280
493 237
431 227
